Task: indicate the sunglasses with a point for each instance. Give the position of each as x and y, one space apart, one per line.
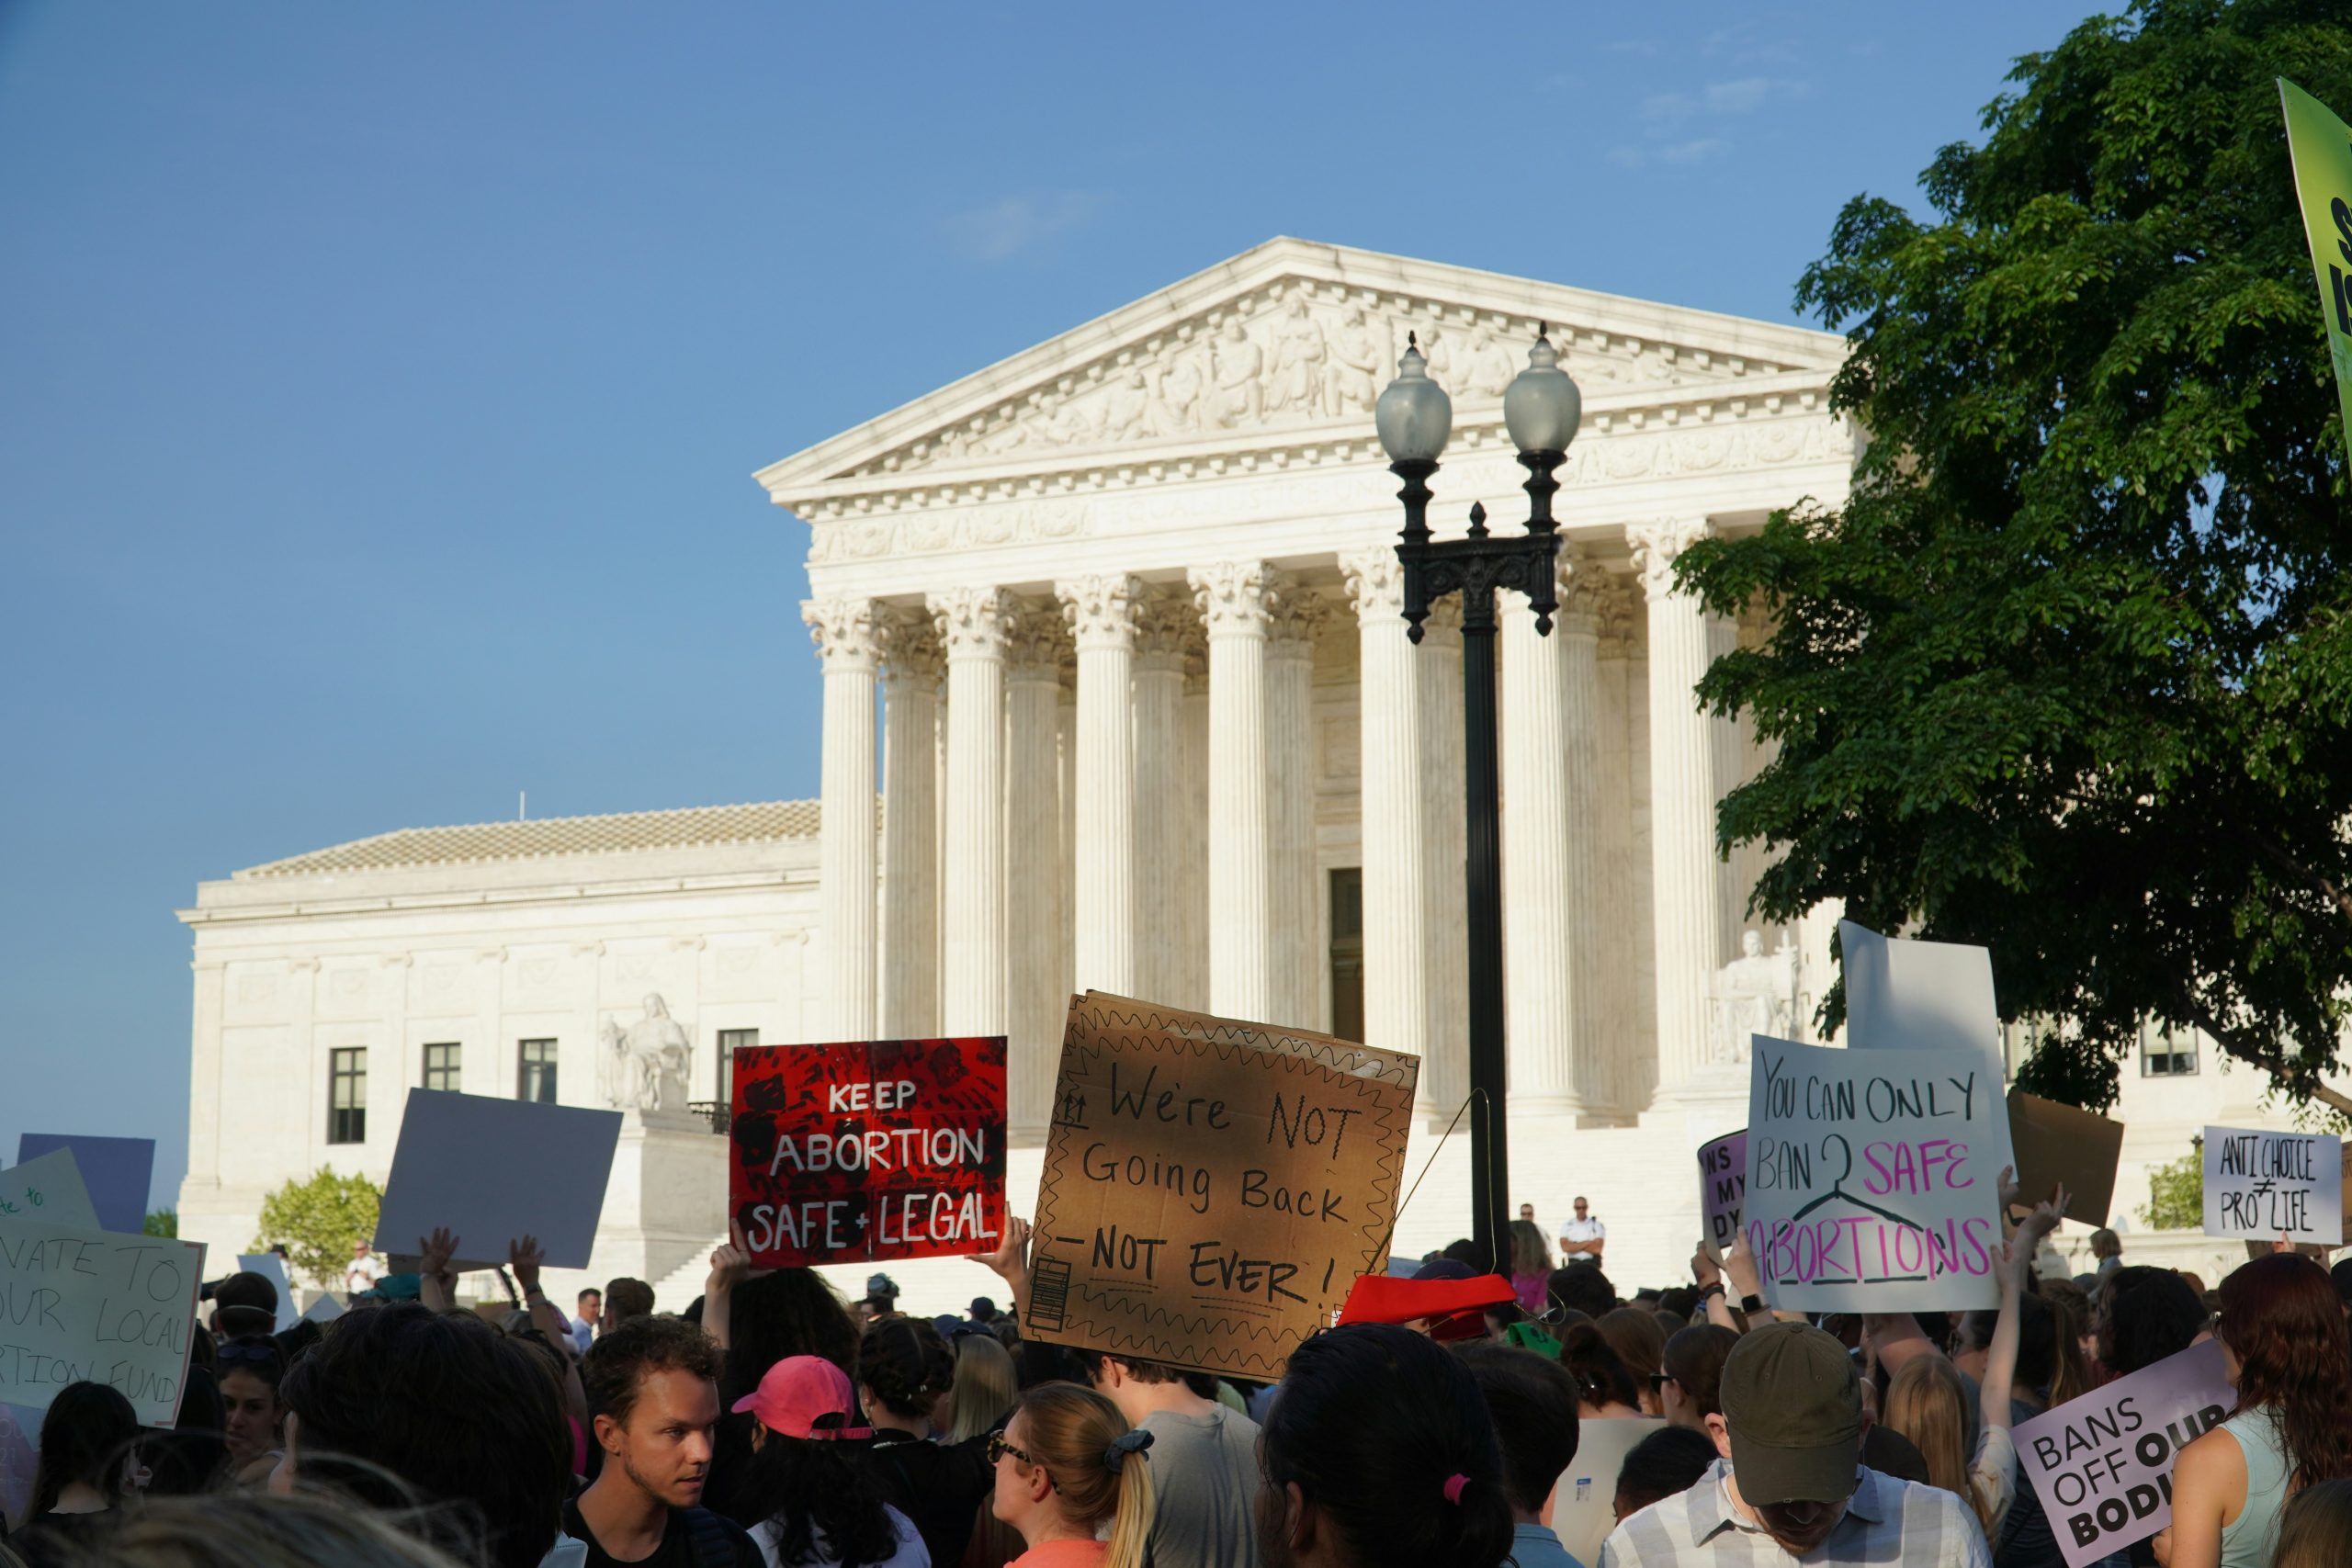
1658 1382
998 1448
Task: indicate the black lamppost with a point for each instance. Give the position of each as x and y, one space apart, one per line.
1541 409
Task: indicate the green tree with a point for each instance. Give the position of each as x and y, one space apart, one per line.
2177 1195
318 1219
2069 673
164 1223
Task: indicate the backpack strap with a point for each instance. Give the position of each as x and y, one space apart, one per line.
712 1538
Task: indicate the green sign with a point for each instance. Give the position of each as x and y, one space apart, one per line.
2322 146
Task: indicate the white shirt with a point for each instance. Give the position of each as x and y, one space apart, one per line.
911 1553
1583 1230
360 1277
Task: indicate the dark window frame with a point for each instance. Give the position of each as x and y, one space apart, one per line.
538 1076
449 1075
347 1094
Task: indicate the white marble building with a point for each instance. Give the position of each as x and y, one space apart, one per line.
1119 617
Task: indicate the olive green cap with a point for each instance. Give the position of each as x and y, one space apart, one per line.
1794 1407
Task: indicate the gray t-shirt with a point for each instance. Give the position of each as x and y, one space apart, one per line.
1205 1474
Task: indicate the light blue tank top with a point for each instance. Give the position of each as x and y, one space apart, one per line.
2247 1540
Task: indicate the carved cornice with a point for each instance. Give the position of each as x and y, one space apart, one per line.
1657 545
844 633
1100 610
973 623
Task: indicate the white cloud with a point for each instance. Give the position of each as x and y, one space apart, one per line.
1737 98
1005 228
1694 152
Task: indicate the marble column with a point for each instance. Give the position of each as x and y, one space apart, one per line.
1066 781
1446 838
208 1072
1294 904
1100 611
911 673
1038 995
1234 598
1396 916
973 625
1193 827
1685 888
1622 928
849 646
1162 843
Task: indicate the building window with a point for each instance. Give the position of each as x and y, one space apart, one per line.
2165 1053
1347 954
730 1040
441 1067
535 1072
347 1096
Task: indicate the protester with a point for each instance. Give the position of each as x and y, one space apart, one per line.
1690 1372
1380 1453
1660 1465
1203 1463
1531 1263
1788 1475
1634 1334
984 1312
1605 1387
816 1506
89 1469
399 1402
255 1529
2106 1247
2283 1340
1533 1405
1580 1288
903 1367
626 1300
2315 1528
2049 1373
652 1385
590 1304
881 1301
1582 1238
1074 1479
760 1317
2142 1315
250 1371
987 1387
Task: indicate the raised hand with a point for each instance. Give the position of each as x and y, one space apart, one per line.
526 1259
1703 1272
1011 1256
730 1267
434 1252
1739 1268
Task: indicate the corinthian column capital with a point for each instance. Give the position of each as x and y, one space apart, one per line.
845 631
1236 598
1100 610
972 623
1376 580
1657 545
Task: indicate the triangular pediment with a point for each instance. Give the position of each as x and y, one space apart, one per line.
1280 342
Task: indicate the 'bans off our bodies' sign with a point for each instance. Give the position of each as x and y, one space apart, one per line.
2262 1185
868 1150
1868 1186
2103 1463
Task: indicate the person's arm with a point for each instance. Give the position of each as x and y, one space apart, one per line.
1896 1337
1710 1280
1599 1242
730 1267
1009 1262
2001 1356
524 1259
1739 1268
436 1286
2209 1473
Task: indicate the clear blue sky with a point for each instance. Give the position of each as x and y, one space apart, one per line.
380 385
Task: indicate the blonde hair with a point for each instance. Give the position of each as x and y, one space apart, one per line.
259 1530
986 1385
1530 1253
2314 1525
1069 1431
1926 1404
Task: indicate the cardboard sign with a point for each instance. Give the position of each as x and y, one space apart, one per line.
1583 1502
866 1150
96 1306
114 1172
274 1266
1723 1187
49 1191
493 1171
1910 996
1212 1188
2319 145
2059 1146
2102 1464
2264 1185
1872 1178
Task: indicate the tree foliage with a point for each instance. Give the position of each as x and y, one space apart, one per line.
2175 1195
2068 673
164 1223
318 1219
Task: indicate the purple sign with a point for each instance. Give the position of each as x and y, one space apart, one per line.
1723 1188
2102 1463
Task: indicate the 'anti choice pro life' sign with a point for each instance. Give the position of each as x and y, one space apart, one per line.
2102 1464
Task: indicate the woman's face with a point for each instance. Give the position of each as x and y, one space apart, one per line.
1015 1480
252 1417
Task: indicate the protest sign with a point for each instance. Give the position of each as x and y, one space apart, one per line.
2058 1146
1902 995
95 1307
325 1310
2264 1185
1723 1184
2321 146
1872 1176
114 1171
495 1171
868 1149
1212 1188
2102 1463
1583 1500
48 1190
273 1267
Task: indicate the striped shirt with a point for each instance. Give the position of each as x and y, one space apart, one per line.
1887 1522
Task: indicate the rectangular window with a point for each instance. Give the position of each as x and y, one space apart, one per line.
1346 952
347 1095
441 1067
2165 1053
535 1072
729 1040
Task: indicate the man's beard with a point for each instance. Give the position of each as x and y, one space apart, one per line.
1800 1527
659 1494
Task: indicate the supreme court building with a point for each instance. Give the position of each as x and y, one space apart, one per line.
1110 630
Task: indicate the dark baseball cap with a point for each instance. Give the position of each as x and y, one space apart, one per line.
246 1302
1795 1408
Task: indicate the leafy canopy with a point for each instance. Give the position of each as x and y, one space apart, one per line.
2069 673
164 1223
2176 1194
318 1219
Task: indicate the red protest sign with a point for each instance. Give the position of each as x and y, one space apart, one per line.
868 1149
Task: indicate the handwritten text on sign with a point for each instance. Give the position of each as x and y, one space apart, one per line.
95 1307
1723 1187
1866 1189
1212 1188
2102 1464
2262 1185
868 1150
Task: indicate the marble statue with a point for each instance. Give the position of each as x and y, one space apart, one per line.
644 1067
1754 994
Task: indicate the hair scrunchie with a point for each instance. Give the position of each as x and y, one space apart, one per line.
1453 1485
1132 1441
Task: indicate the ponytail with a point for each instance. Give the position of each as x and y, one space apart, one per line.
1100 1468
1131 1522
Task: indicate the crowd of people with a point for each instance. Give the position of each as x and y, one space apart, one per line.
771 1423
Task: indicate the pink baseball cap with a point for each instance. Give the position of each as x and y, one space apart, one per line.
806 1397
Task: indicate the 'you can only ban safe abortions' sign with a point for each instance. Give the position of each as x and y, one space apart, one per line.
1872 1178
2102 1464
868 1150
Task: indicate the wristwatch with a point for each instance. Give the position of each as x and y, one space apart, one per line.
1750 1305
